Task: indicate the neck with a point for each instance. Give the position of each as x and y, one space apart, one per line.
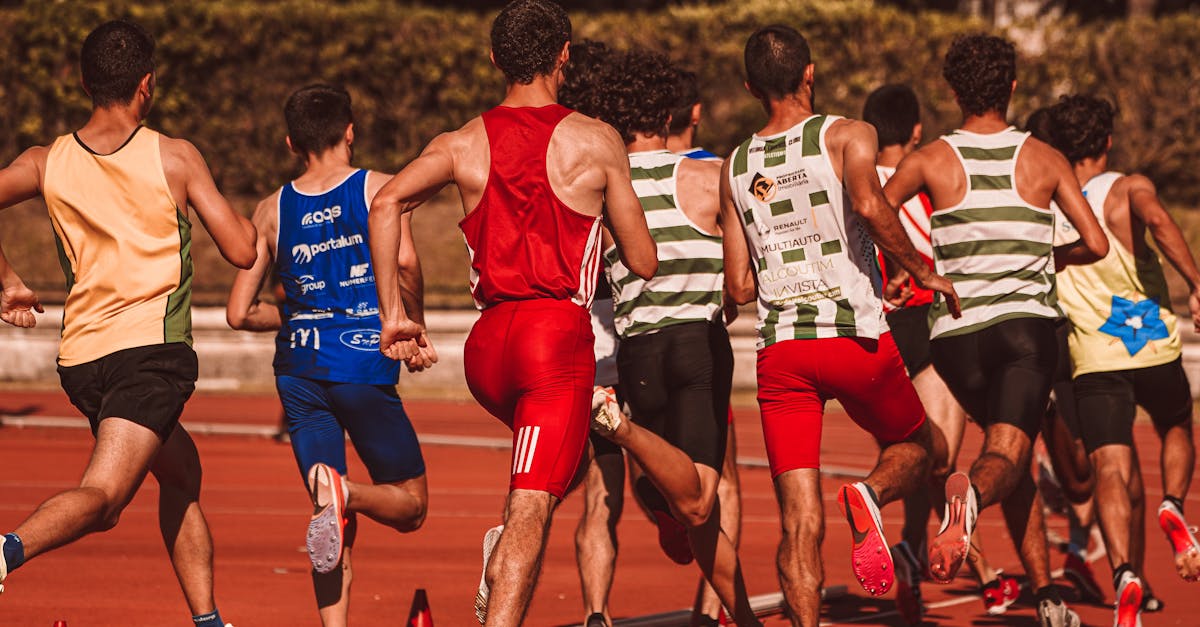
786 112
119 118
989 122
682 141
331 161
1088 168
890 156
643 142
542 91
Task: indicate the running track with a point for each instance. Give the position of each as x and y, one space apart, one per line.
258 510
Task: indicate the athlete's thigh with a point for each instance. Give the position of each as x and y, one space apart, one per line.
642 368
961 366
488 363
1106 401
1024 354
941 408
1165 394
379 429
792 407
120 459
693 424
315 433
177 464
869 379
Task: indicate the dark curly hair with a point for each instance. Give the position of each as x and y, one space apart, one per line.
776 57
1081 126
114 59
317 117
981 69
527 36
1040 125
894 112
639 95
687 95
584 76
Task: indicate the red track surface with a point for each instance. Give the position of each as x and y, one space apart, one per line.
258 510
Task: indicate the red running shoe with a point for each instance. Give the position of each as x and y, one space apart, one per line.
869 556
1079 572
1000 593
1183 542
1128 612
673 538
949 548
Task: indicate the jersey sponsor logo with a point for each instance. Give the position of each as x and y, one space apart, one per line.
366 340
763 187
317 218
358 276
306 338
304 253
527 440
793 179
308 283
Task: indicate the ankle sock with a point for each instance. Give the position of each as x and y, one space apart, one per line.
874 497
1118 572
1177 502
14 552
1048 593
211 619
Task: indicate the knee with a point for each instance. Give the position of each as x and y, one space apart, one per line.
805 532
417 520
696 512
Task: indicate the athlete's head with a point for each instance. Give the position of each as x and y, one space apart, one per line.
1082 127
778 63
896 115
583 76
686 113
318 118
529 39
639 95
116 63
1039 124
982 71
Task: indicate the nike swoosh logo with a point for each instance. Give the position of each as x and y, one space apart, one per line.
859 536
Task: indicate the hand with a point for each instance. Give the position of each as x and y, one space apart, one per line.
941 284
896 292
15 305
1193 306
730 311
401 339
426 355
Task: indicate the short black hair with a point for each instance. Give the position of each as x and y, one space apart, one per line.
1081 126
114 59
687 95
527 36
894 112
776 57
317 117
981 69
1040 125
639 95
583 77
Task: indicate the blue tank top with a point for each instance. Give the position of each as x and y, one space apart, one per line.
330 329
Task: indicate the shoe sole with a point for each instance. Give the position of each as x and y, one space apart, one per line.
490 539
869 555
1183 543
1129 605
606 416
326 528
949 549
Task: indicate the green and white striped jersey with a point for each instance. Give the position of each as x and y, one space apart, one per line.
817 273
997 248
690 282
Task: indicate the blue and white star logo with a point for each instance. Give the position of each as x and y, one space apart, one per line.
1135 323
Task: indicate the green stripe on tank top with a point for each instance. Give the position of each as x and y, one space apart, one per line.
792 256
657 203
818 198
974 302
741 158
64 261
843 320
990 182
775 152
680 234
1032 276
991 214
668 299
177 320
805 327
748 217
831 248
769 327
987 154
993 247
762 264
640 327
810 143
677 267
781 207
657 173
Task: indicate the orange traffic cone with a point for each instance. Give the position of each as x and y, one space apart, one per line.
60 623
420 615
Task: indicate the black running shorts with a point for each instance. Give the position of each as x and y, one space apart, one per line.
147 385
1064 390
676 382
910 331
1001 374
1108 402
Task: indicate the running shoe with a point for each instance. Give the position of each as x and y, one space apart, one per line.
1000 593
1128 610
908 584
328 524
869 555
1079 572
596 619
490 539
606 413
1183 541
949 548
1151 603
1056 614
673 538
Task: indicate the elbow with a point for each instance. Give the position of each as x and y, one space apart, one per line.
244 260
235 319
742 294
1099 246
646 269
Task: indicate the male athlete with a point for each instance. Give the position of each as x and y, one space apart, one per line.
674 353
896 115
118 194
1125 348
801 204
331 377
992 230
535 179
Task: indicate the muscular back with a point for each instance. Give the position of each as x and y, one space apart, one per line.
1038 173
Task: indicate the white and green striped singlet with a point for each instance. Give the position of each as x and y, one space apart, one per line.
690 281
817 273
996 247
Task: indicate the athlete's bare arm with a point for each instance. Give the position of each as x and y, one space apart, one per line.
19 182
244 311
192 184
1144 203
740 283
1040 160
858 145
622 210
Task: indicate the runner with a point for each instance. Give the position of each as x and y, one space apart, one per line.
806 190
1125 347
534 178
896 115
331 379
118 196
674 349
991 188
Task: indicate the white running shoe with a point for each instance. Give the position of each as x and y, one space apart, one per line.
949 548
606 412
326 528
1052 614
490 539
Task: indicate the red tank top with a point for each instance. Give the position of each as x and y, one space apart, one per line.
525 243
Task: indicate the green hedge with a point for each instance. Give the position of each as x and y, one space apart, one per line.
225 69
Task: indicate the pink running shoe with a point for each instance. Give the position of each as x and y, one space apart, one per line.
672 537
1079 572
870 558
999 594
1128 612
1183 542
949 548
